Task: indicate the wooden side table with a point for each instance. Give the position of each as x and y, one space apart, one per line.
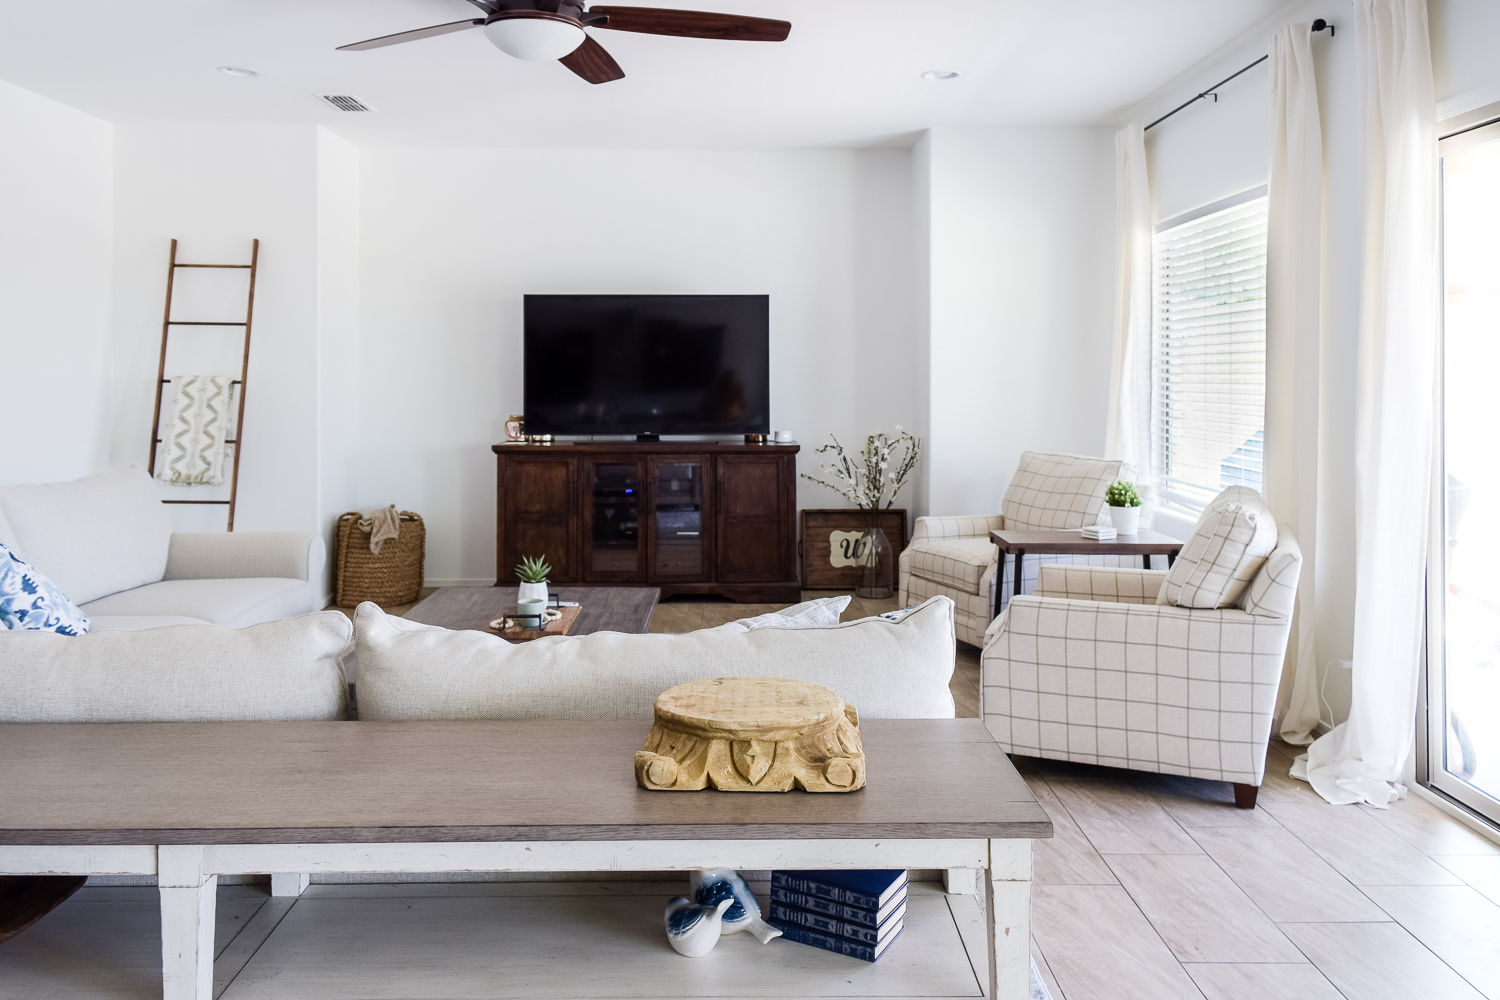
1018 543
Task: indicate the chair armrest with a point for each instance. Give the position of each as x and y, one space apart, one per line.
1100 583
291 555
963 526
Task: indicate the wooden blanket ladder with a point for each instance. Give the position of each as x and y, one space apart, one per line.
167 323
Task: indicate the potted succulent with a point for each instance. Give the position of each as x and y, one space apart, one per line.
1124 506
532 572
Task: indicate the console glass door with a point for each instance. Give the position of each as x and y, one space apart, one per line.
1464 615
677 502
615 548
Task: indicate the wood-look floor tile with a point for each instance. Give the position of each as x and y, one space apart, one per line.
1283 875
1262 982
1483 873
1360 847
1045 971
1067 858
1121 819
1426 828
1198 910
1200 802
1279 786
1378 962
1455 922
1100 946
101 948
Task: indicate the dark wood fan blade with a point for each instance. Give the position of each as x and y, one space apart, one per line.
591 62
409 36
693 24
25 899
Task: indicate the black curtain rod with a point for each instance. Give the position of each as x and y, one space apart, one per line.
1317 25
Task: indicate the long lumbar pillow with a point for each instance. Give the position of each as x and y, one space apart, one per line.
895 667
280 671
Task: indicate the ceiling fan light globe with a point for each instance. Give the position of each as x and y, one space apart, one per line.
535 39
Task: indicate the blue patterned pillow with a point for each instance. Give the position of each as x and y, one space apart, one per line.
28 600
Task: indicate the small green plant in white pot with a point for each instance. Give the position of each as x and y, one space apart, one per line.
1124 506
532 572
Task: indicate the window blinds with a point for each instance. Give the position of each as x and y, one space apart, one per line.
1209 352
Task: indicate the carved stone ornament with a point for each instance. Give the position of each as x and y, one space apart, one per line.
752 734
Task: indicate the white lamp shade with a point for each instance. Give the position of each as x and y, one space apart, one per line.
535 39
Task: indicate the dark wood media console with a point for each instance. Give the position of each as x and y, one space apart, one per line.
690 517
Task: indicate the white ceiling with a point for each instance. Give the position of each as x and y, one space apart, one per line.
848 76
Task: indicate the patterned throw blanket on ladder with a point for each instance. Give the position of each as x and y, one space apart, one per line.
203 414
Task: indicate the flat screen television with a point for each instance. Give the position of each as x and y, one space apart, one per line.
647 364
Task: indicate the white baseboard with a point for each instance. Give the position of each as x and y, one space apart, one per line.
1463 816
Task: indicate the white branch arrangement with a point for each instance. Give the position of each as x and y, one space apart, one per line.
872 480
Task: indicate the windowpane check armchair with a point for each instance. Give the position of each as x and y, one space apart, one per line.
954 557
1090 668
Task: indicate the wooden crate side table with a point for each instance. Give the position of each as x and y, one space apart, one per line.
816 547
1048 543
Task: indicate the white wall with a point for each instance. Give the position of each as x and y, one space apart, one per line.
452 239
215 188
338 332
1213 150
54 289
1019 226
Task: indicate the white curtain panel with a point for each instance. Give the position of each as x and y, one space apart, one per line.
1129 429
1362 760
1294 347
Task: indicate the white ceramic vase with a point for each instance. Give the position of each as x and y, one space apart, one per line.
528 591
1127 520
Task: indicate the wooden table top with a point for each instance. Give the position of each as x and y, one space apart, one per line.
1142 543
601 609
404 782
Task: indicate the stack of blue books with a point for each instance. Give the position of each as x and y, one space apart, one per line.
854 913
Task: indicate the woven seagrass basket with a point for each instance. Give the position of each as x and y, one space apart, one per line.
392 577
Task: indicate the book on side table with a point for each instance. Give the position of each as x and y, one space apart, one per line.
855 913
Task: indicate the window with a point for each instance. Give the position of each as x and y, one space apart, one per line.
1463 618
1208 377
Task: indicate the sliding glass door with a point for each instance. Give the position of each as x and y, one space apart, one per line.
1464 668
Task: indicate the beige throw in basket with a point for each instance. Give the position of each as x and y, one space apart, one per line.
392 577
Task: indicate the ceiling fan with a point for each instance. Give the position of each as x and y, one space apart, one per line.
539 30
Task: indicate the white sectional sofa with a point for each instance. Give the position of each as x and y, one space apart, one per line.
107 543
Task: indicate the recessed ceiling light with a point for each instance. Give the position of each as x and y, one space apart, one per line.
237 71
940 74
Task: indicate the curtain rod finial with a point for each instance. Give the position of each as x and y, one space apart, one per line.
1320 24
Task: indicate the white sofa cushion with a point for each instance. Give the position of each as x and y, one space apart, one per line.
1057 492
136 623
809 614
965 564
93 536
236 602
885 669
280 671
1226 549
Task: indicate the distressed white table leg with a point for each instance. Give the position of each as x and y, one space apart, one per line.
1007 910
187 923
289 883
961 881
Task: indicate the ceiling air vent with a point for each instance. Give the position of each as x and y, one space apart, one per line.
346 102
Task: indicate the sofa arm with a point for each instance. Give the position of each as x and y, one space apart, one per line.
1099 583
964 526
290 555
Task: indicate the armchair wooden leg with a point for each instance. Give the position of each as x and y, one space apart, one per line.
1244 795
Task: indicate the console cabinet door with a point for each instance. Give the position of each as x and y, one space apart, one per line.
755 499
614 504
679 523
539 514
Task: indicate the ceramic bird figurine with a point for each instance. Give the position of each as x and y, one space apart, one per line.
715 884
693 930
